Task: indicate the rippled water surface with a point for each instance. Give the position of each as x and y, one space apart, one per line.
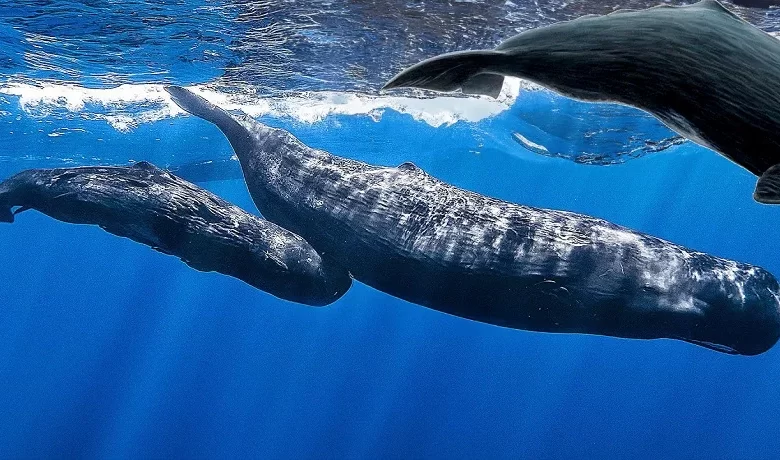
105 60
271 45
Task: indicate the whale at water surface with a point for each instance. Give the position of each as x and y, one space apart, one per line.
700 69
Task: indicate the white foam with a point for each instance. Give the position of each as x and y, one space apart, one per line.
123 107
127 106
533 146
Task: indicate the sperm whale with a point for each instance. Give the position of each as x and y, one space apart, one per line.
156 208
701 70
408 234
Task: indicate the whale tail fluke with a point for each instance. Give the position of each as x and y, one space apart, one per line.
463 70
237 134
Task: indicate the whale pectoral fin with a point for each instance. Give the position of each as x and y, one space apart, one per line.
21 209
484 84
768 186
464 70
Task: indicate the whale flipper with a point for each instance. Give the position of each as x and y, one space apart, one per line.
768 186
22 209
464 70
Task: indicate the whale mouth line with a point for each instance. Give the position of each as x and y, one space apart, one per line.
712 346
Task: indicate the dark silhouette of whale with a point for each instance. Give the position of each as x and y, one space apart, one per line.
156 208
756 3
415 237
700 69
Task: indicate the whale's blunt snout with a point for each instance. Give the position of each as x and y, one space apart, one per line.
766 312
739 311
751 323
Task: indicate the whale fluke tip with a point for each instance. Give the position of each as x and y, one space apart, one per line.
467 71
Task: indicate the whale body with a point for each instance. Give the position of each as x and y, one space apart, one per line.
700 69
156 208
406 233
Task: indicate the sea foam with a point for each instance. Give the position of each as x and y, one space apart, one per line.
125 107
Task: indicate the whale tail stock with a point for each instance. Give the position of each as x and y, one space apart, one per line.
239 136
464 70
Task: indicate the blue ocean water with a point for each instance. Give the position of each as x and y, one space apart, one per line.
111 350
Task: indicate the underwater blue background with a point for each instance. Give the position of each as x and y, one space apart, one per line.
111 350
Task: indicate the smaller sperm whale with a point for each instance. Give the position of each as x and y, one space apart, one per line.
156 208
415 237
701 70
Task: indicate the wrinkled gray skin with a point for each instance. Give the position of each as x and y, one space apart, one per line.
417 238
155 208
703 71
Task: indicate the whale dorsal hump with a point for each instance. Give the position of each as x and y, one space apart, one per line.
768 186
617 12
145 165
714 5
409 166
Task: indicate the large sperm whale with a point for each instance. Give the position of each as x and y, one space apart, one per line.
413 236
158 209
704 72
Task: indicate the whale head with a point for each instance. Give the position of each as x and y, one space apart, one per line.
741 311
